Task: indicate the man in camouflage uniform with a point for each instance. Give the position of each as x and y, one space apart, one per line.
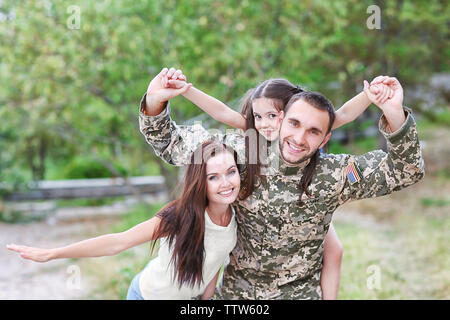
280 244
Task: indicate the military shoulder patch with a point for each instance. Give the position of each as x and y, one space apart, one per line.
353 174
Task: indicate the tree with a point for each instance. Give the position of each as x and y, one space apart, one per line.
71 84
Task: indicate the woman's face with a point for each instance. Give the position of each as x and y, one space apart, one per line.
267 118
222 179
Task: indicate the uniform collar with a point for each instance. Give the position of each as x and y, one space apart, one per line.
288 170
278 166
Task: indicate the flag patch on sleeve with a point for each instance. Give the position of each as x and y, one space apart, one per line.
353 175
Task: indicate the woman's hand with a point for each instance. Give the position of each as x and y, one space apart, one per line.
30 253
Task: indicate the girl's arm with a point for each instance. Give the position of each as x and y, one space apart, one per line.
106 245
356 105
215 108
209 291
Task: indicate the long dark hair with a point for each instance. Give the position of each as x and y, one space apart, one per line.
183 220
280 92
319 101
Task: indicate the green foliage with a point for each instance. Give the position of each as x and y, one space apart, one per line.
360 146
11 216
399 265
68 93
85 168
137 215
87 202
336 147
435 202
121 281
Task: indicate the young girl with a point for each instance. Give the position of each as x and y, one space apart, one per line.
197 232
262 110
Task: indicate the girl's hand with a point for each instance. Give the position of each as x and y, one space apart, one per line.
379 93
30 253
173 74
397 97
158 92
392 107
174 79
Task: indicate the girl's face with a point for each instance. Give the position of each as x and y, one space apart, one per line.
267 118
222 179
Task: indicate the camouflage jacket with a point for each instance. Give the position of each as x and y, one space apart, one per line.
280 244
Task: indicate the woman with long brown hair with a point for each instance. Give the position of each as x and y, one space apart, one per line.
197 232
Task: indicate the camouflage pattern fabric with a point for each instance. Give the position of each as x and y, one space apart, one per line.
280 244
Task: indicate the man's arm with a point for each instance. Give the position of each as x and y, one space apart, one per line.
393 106
172 143
378 173
158 94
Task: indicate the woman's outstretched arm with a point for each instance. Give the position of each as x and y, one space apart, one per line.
105 245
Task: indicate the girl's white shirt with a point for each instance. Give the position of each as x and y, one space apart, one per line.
157 279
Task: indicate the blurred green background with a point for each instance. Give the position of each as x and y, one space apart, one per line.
69 92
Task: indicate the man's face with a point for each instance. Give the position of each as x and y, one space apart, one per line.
303 131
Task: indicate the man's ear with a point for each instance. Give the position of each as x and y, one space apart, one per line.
324 142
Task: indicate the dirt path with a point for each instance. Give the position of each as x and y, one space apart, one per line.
66 278
57 279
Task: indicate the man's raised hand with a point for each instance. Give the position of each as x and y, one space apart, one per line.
158 92
391 95
175 80
392 106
